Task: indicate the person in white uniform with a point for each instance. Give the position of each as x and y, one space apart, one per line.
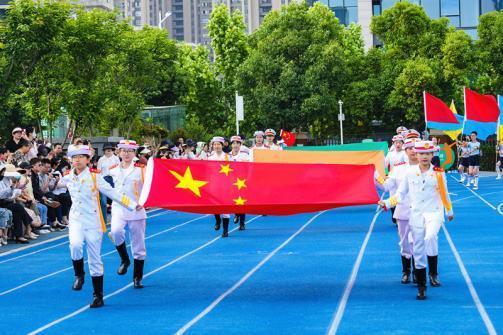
128 179
402 210
426 189
105 163
237 155
259 143
401 130
396 156
86 220
217 144
270 136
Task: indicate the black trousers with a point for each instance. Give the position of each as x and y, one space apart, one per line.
19 217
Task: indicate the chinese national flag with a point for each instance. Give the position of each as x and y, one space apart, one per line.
288 137
212 187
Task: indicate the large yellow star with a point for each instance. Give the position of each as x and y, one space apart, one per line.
187 182
240 183
225 169
239 201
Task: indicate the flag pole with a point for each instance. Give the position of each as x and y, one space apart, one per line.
425 115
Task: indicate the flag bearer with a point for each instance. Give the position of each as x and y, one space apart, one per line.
86 219
426 189
238 156
217 144
474 153
499 164
402 210
128 179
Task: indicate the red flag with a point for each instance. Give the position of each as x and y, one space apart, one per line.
437 111
288 137
211 187
481 108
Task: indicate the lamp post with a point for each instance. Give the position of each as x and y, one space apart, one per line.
161 19
341 118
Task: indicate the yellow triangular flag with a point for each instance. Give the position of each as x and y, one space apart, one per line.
453 134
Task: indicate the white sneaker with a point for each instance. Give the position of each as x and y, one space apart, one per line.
498 177
3 240
467 184
44 231
473 181
462 180
475 187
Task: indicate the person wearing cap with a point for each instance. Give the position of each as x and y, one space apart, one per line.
412 133
128 179
402 210
238 156
217 144
396 156
474 161
13 144
86 220
270 135
425 187
105 163
401 130
259 143
188 150
10 190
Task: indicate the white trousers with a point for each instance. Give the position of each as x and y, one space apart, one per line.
93 238
136 235
425 242
403 235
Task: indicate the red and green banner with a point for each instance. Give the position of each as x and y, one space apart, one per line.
255 188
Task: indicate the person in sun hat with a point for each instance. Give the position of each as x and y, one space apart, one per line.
128 179
217 154
425 187
238 156
86 219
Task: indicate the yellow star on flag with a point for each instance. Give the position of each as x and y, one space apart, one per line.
239 201
226 169
240 183
187 182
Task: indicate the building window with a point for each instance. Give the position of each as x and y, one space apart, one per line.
450 7
469 13
432 8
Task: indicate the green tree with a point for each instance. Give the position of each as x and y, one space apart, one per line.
490 52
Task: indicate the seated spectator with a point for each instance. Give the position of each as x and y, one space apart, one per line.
21 155
9 191
5 224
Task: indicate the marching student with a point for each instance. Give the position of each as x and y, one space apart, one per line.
128 180
217 154
270 135
499 164
107 161
426 189
86 220
402 210
401 130
259 143
474 161
238 156
396 156
464 160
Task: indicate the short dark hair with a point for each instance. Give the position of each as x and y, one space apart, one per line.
23 143
45 161
3 150
34 161
56 144
474 132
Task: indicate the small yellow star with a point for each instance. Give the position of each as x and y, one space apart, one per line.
239 201
187 182
240 183
226 169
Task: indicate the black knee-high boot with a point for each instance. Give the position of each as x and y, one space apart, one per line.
433 270
405 270
125 261
218 220
242 218
138 273
98 292
414 277
78 268
226 227
421 284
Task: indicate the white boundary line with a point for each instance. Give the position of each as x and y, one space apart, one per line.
472 196
105 254
250 273
10 252
174 261
480 307
337 317
478 196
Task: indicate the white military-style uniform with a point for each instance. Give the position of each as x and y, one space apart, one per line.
402 209
86 222
427 197
240 157
394 158
223 157
129 181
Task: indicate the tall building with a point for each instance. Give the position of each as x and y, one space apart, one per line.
100 4
463 14
4 4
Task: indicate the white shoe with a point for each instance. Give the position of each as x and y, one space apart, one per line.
467 184
498 177
462 180
473 181
44 231
475 187
3 240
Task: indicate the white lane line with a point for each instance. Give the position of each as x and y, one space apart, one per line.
472 196
174 261
106 254
51 247
477 195
480 307
214 304
337 317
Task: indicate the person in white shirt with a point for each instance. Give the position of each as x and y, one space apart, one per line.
396 156
499 164
474 158
259 143
464 160
425 187
105 163
237 155
217 144
188 150
270 136
401 130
